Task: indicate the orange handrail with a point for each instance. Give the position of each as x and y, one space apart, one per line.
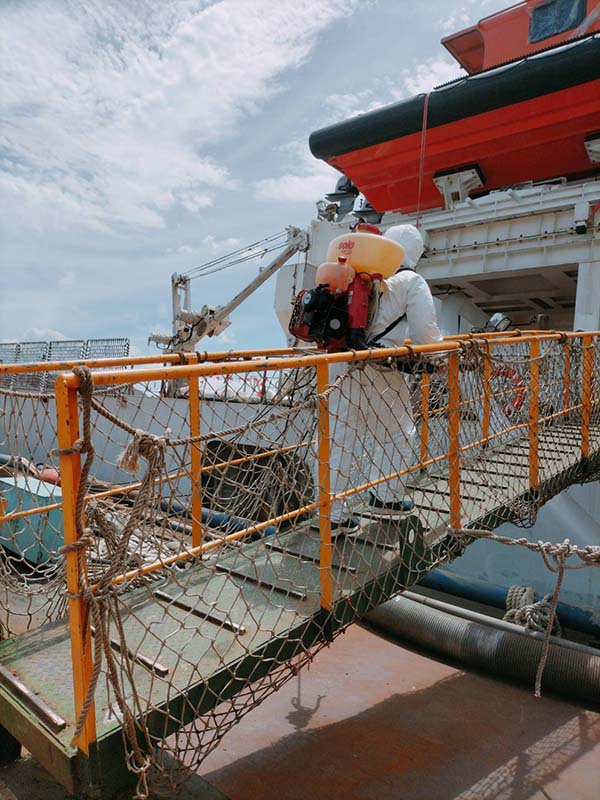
285 359
534 414
81 637
453 344
135 361
323 454
199 356
586 394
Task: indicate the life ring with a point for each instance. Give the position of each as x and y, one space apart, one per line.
514 400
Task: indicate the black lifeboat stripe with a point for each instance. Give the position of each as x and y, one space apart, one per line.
538 75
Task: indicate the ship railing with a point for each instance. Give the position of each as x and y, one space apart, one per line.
503 422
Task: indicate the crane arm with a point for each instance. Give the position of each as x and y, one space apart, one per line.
190 326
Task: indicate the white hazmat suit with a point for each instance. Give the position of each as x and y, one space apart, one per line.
372 426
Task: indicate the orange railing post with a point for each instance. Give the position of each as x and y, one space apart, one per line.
586 393
425 389
324 452
195 453
454 440
567 378
534 414
487 395
70 473
195 460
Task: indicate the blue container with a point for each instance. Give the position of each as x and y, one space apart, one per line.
37 537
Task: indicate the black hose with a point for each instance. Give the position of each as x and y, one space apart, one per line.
491 645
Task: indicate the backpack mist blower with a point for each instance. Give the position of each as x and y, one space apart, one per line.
335 314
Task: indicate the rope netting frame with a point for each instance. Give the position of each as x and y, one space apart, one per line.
199 553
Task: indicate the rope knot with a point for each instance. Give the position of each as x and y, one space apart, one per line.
87 539
143 444
79 446
140 764
86 382
523 610
86 389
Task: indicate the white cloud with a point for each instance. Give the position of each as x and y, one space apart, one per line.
308 178
112 107
454 22
42 335
212 243
343 106
417 79
426 76
209 244
307 181
183 250
292 188
469 13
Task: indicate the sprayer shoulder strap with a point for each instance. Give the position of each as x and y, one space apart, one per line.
390 327
397 321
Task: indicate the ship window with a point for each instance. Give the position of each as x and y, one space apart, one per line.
554 17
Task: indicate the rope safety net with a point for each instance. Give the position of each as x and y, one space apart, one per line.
232 524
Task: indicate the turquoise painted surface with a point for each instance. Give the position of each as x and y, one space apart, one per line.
37 537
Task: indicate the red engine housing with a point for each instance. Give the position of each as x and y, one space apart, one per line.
359 293
333 321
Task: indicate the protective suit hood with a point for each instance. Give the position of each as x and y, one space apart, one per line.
410 239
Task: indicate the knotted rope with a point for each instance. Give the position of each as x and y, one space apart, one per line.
554 555
523 610
143 444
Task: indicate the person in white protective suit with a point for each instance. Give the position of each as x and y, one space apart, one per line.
371 414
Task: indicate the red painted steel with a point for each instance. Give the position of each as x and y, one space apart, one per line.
531 140
504 36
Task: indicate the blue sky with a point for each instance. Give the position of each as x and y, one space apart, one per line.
139 138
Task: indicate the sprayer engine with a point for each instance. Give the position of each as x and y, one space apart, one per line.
333 320
320 317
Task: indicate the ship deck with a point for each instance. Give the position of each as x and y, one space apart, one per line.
389 725
35 684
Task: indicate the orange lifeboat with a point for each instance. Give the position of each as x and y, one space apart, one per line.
529 111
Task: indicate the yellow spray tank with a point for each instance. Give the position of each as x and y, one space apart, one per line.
368 253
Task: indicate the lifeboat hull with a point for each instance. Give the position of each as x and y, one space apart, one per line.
526 121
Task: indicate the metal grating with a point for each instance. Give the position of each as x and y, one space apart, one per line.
58 350
65 350
30 353
106 348
8 355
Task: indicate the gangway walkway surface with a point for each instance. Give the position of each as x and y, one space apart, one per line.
228 611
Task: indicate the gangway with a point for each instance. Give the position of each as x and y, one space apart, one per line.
197 590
